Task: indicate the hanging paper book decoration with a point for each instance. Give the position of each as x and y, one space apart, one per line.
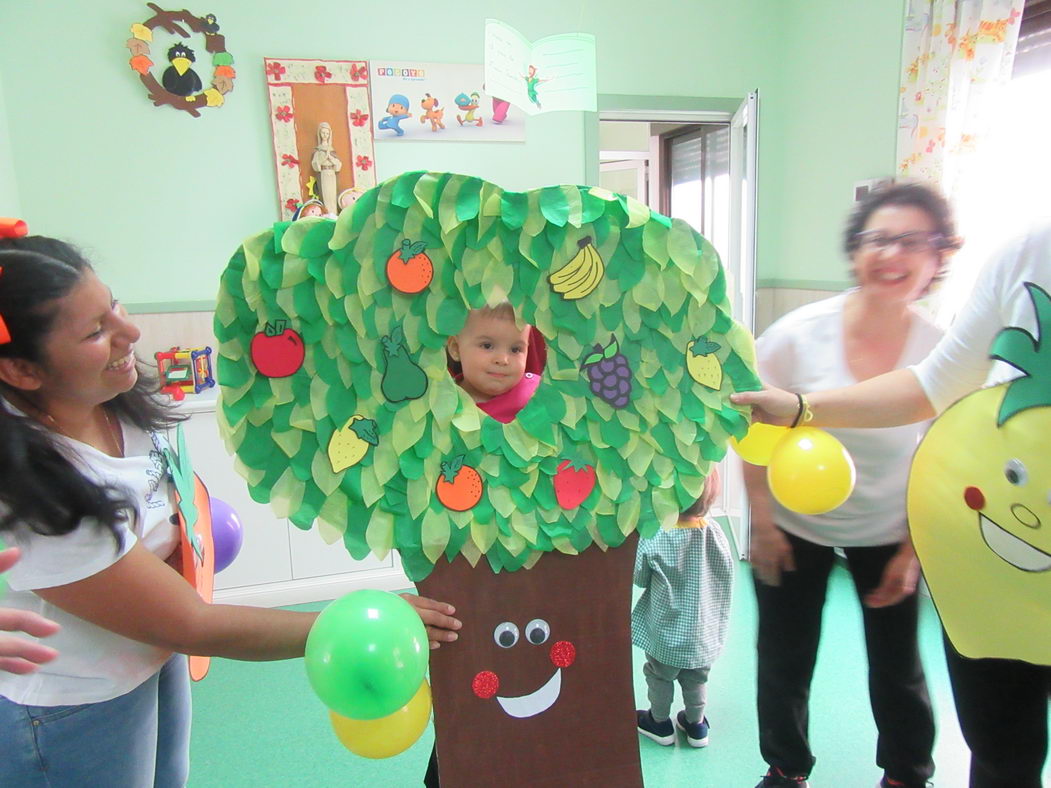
977 501
182 63
616 394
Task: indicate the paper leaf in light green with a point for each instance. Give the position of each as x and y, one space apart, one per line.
434 534
380 532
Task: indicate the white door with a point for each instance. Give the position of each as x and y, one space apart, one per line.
740 272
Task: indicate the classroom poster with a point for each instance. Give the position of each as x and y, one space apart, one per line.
439 102
553 74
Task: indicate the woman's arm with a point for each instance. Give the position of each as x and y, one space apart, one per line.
886 400
142 598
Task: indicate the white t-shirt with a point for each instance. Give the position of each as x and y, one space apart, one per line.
803 351
94 664
960 363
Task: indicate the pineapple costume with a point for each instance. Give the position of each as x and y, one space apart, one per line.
981 522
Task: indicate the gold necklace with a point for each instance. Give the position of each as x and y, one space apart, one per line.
114 434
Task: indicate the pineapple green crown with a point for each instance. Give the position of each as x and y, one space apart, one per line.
641 283
1028 354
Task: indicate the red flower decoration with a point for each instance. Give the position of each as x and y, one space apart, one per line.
359 73
275 70
288 160
364 162
358 118
291 204
321 74
284 113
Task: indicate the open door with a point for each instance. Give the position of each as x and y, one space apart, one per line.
740 271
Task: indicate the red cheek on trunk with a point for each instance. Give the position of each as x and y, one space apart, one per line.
973 497
485 684
563 654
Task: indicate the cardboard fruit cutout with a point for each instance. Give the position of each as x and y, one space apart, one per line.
618 294
979 507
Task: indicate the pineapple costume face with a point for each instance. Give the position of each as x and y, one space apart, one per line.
371 440
979 505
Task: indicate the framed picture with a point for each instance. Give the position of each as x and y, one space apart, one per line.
322 131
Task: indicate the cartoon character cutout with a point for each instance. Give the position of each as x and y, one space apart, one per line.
469 105
532 83
432 112
397 111
979 506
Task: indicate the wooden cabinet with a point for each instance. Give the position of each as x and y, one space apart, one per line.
279 564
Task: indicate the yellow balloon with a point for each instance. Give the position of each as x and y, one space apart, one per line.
388 735
810 472
757 446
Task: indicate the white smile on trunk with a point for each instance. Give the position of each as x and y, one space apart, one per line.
1017 552
535 702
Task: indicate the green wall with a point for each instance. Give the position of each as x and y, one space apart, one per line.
160 199
831 120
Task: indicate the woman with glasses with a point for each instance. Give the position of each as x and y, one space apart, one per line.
898 241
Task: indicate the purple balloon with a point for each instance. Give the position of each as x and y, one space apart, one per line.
227 533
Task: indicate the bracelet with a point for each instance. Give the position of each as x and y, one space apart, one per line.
804 414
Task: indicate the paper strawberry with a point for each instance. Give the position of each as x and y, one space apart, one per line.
573 483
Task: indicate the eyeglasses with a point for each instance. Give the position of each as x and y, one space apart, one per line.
909 243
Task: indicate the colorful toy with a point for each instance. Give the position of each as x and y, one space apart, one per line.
185 372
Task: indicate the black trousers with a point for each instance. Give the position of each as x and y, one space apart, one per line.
789 631
1002 708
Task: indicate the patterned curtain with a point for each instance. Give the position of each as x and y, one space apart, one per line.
955 55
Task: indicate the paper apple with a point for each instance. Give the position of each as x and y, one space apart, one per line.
277 351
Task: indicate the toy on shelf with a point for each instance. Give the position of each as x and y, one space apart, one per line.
185 371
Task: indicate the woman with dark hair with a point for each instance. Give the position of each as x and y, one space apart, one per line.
83 494
1001 703
898 240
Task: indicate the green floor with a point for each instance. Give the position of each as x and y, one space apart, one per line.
259 724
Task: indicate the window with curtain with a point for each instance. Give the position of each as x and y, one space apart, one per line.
1007 191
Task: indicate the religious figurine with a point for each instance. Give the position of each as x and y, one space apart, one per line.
326 164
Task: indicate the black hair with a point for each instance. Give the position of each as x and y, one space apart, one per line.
915 195
40 486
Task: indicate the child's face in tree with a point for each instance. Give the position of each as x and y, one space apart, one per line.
492 351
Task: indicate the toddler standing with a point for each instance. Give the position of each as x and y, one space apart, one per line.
680 620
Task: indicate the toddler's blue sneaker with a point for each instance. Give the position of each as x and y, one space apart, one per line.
661 732
696 732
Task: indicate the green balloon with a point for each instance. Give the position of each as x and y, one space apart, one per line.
367 654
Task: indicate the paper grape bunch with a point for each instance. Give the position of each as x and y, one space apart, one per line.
432 476
609 373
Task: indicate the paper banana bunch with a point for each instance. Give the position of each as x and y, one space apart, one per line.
582 274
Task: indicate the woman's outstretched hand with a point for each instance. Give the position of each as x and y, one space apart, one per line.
770 406
437 617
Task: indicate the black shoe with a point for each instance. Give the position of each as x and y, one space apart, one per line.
661 732
775 778
696 732
887 782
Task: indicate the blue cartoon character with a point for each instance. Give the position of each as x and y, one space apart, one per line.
469 104
397 111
